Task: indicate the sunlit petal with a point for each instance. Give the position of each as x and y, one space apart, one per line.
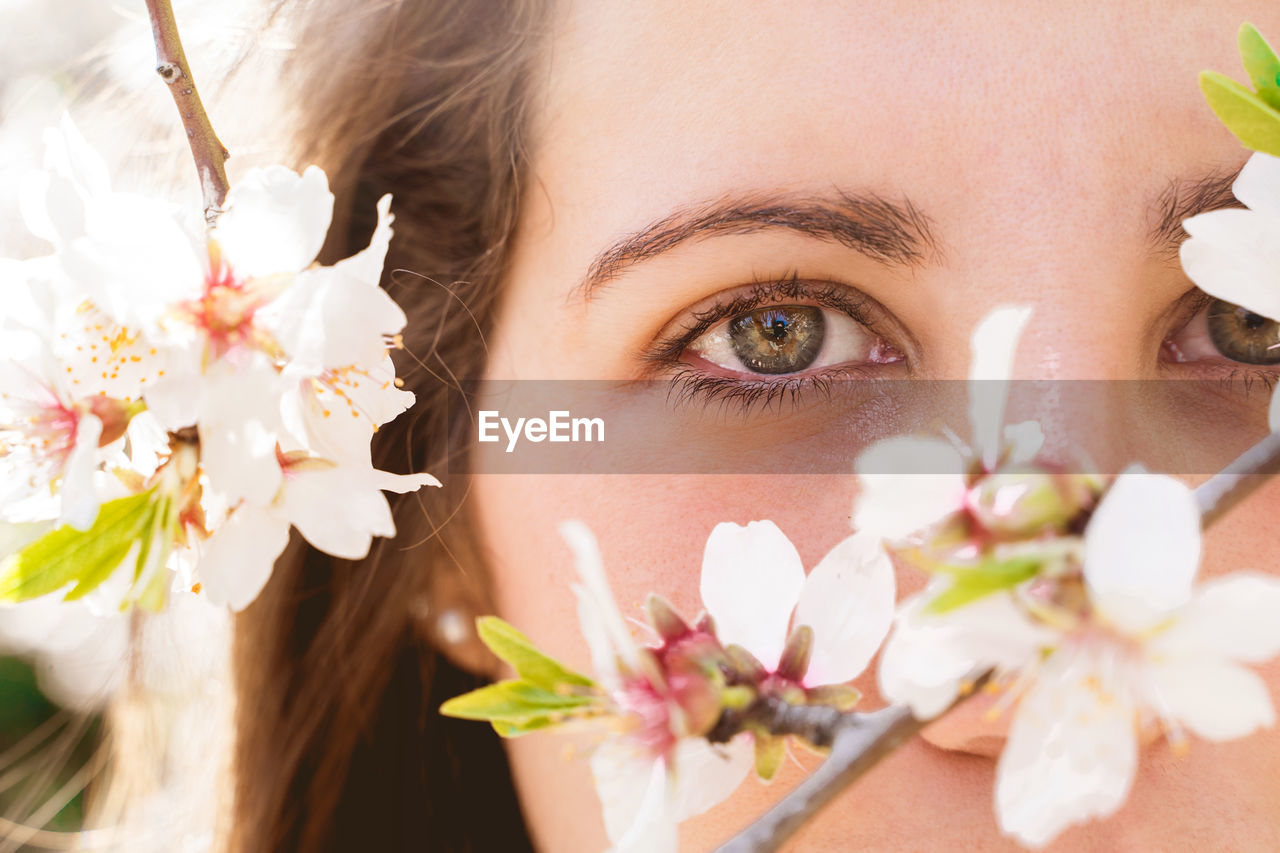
239 556
848 601
1214 699
275 221
907 484
751 581
1071 756
1142 549
1233 618
994 344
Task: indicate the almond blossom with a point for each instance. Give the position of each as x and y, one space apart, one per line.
336 507
662 771
909 483
1092 658
247 378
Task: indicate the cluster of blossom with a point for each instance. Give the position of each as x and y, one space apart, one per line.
171 403
1076 592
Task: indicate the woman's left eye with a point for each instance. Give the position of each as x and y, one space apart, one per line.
1222 330
788 339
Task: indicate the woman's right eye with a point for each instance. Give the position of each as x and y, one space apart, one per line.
1223 330
789 339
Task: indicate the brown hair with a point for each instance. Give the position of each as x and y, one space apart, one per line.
339 745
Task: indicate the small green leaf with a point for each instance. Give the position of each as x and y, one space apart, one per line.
972 583
514 701
1254 122
1261 63
770 752
529 663
83 557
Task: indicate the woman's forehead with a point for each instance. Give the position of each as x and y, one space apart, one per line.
655 105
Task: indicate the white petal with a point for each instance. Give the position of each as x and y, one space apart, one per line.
751 581
1234 255
275 221
706 774
1071 755
1025 440
340 509
239 556
1142 549
328 319
356 402
994 345
366 266
67 153
1214 699
1233 617
1273 415
597 603
848 601
239 426
907 484
633 792
77 492
1258 184
928 655
136 261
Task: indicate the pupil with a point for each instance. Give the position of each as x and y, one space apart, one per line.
779 339
1242 335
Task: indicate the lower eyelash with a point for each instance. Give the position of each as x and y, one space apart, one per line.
750 396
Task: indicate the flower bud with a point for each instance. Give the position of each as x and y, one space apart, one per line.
664 618
1023 504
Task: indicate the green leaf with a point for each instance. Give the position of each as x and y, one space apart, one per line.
1261 63
972 583
85 558
1254 122
529 663
517 702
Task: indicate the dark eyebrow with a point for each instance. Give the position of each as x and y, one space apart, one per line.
895 233
1185 198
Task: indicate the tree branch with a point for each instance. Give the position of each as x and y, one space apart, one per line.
1232 484
858 742
171 65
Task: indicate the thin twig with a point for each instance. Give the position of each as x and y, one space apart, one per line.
1232 484
859 741
171 65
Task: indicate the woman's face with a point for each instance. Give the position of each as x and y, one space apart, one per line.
896 170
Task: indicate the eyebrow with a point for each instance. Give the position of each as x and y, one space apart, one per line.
896 233
1185 198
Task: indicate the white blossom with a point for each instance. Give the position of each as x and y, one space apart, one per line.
649 782
908 483
754 586
1148 648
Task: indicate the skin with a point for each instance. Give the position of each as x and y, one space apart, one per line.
1035 141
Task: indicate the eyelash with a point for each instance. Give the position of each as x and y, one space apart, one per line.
690 385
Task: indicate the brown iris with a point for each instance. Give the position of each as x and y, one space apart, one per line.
778 339
1241 335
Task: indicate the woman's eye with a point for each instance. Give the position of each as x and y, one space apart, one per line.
1225 330
784 339
1241 335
